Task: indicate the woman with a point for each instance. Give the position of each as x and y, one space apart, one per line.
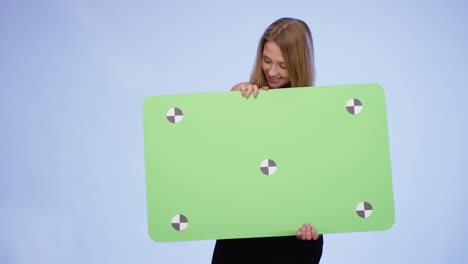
285 58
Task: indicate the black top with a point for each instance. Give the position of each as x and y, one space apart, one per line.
269 250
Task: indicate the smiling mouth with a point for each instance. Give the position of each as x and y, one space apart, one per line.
274 80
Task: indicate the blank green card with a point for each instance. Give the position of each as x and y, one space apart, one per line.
222 166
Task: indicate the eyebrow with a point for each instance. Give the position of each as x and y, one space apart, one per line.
281 62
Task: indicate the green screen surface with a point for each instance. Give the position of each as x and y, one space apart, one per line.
220 166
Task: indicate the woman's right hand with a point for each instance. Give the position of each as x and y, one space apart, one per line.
247 89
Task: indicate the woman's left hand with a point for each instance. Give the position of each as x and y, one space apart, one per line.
307 232
247 89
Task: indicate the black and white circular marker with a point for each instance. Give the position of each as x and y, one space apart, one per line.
364 209
179 222
174 115
268 167
354 106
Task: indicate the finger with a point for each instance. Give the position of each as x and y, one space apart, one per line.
264 88
249 91
298 234
243 88
315 236
252 89
309 233
303 233
255 90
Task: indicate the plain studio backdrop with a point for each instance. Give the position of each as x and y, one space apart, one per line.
74 74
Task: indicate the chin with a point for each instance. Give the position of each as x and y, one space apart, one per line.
274 86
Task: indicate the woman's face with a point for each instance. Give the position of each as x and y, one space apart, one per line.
273 66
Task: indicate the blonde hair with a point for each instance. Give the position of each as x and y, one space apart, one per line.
294 38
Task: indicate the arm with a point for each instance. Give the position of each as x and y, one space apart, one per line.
238 86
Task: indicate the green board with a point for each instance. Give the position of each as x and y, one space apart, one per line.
219 165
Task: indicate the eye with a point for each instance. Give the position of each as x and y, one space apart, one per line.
266 60
283 66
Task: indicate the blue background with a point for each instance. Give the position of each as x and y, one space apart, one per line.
74 74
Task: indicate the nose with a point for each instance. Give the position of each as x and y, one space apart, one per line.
272 71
